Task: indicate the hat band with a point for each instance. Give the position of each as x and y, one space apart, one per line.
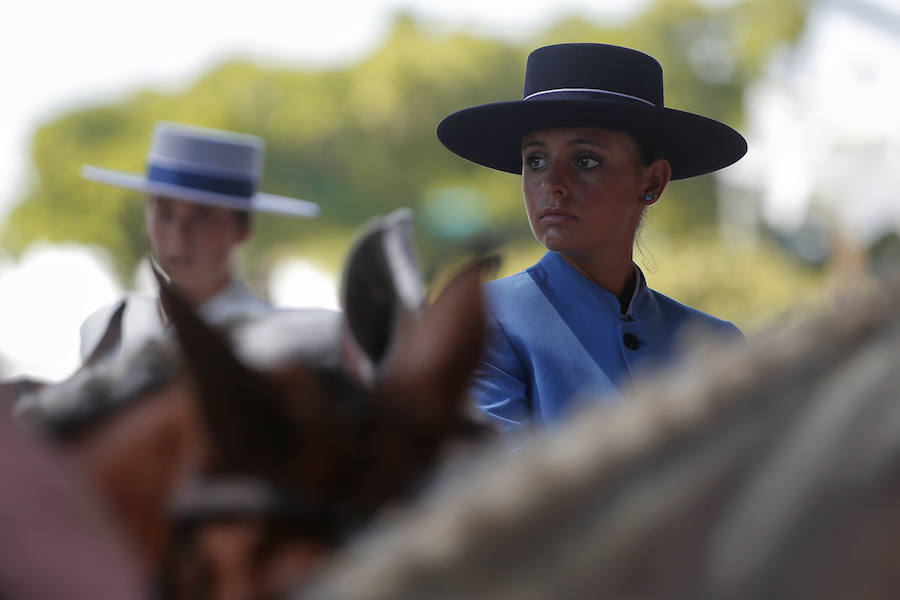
220 185
591 90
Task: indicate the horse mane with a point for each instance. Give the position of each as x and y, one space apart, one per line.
241 410
742 473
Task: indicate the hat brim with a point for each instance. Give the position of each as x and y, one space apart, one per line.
259 202
491 134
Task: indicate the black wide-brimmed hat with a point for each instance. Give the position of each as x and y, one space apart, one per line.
591 85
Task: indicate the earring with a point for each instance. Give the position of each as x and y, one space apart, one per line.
648 198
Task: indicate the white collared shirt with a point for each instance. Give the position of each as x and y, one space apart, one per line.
142 321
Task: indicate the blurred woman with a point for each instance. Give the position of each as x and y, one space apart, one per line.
200 189
595 147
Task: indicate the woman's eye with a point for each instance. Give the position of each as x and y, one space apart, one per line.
586 162
535 162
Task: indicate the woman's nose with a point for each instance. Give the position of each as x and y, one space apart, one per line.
174 235
183 228
556 181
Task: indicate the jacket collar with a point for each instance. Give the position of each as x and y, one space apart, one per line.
575 284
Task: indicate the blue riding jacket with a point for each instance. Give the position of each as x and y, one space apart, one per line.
557 340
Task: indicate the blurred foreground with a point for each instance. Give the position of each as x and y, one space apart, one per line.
767 470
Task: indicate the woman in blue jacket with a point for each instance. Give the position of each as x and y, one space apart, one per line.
595 146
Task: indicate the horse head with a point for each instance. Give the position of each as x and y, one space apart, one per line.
257 469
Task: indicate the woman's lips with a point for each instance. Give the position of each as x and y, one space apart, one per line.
177 262
556 215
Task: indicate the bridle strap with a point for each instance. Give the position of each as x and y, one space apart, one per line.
212 498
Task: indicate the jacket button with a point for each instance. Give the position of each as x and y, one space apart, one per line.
631 341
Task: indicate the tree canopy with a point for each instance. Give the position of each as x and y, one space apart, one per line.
360 139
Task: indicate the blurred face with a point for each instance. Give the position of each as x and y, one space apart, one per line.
584 189
194 243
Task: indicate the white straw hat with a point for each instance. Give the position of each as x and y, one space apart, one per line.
207 166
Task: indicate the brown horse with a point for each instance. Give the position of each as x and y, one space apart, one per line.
234 481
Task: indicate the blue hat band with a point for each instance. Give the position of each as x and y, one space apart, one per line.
229 186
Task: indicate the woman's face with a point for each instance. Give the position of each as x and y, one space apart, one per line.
584 189
194 243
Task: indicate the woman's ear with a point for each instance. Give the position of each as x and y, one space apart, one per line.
657 177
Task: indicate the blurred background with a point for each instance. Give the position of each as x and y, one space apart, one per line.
347 96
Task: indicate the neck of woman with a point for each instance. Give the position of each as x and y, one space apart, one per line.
197 295
614 274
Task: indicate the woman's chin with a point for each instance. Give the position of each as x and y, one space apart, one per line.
553 240
181 276
186 278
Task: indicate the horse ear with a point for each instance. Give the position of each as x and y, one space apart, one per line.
242 413
381 287
433 360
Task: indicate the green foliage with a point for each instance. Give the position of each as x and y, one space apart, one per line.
360 139
743 283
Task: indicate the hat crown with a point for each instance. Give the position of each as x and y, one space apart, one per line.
611 71
206 151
